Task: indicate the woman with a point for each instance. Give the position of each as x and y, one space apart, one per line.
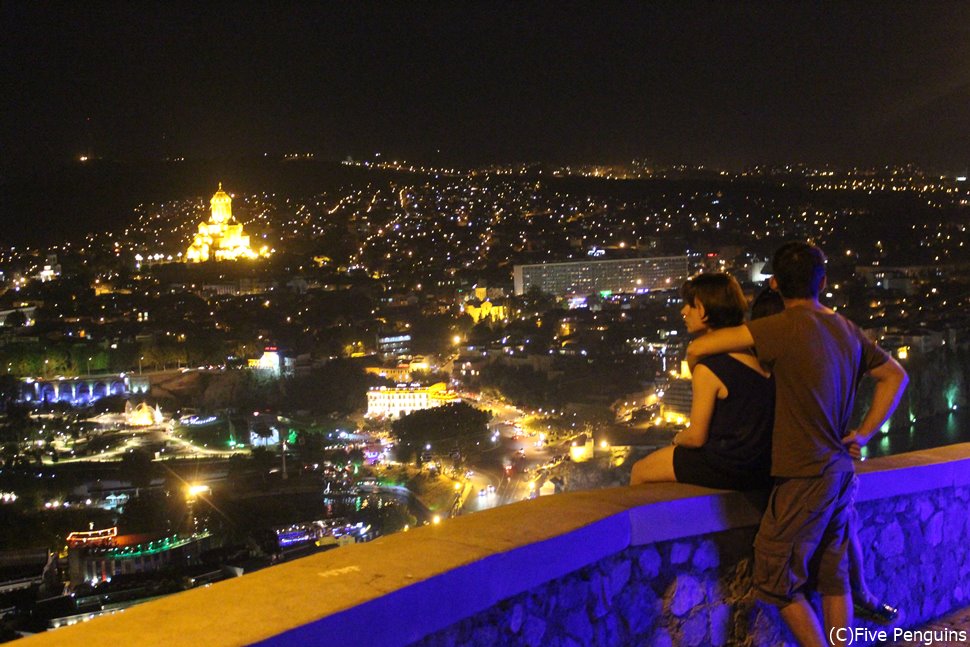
728 443
708 452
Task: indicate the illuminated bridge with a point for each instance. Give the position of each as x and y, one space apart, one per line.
654 565
81 390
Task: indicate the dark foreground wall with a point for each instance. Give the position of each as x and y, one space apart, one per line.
652 565
697 590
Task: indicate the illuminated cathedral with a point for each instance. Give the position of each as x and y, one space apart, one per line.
221 238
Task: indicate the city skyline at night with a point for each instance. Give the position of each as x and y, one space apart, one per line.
280 280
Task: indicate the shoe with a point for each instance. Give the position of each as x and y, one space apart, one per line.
875 611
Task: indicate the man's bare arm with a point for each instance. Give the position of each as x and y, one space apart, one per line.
891 380
723 340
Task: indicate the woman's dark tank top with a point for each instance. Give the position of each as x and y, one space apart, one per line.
739 435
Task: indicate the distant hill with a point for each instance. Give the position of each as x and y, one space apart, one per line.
99 195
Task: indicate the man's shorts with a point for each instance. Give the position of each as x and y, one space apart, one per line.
803 539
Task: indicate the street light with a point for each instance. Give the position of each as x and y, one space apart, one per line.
89 366
192 491
139 364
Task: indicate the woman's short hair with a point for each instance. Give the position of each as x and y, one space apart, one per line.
723 300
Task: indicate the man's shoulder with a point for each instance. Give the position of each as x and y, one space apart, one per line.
777 321
833 318
843 322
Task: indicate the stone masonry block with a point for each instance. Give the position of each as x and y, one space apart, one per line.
891 540
485 635
608 632
954 524
635 606
680 552
694 631
661 638
649 562
706 556
688 593
720 625
578 627
619 575
516 616
533 631
599 589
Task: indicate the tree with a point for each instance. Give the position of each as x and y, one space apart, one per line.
448 427
9 390
338 387
18 424
534 301
136 466
15 319
355 457
262 430
9 453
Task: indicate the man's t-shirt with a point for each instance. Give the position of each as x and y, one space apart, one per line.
818 359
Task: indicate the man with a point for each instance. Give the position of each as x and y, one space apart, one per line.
818 358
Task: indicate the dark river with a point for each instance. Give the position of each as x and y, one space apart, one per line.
925 433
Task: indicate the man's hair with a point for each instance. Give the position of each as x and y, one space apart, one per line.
722 298
799 269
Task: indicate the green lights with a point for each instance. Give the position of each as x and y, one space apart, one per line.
154 547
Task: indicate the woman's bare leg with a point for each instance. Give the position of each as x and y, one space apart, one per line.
657 467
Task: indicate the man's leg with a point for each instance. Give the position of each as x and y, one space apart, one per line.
657 467
866 604
857 571
837 610
835 561
803 623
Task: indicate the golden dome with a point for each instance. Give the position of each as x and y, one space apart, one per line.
220 196
221 204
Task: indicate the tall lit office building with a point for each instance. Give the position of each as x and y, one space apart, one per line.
628 275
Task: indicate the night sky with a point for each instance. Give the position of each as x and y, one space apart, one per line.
726 84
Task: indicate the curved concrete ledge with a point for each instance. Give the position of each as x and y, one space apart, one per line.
402 588
928 469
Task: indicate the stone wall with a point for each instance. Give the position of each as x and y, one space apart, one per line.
665 564
697 590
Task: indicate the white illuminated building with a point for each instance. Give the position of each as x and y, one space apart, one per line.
272 362
51 269
394 402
